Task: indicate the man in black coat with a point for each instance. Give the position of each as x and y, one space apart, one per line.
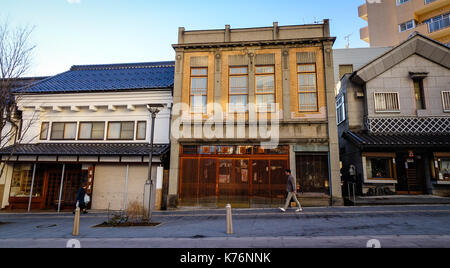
79 200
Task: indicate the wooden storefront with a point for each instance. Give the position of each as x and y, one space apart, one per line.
244 176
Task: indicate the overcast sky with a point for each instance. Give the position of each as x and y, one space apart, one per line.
76 32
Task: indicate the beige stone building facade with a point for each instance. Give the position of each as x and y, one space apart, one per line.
229 81
390 22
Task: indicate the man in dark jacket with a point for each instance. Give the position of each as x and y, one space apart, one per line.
292 191
80 198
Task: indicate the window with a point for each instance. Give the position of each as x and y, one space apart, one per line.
265 88
141 130
419 94
91 131
444 169
407 26
387 102
238 89
438 23
345 69
120 131
446 100
401 2
307 88
379 168
340 108
199 90
64 131
44 130
21 181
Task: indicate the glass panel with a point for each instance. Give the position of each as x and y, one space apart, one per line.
444 169
198 104
190 149
241 181
199 71
238 103
70 131
242 150
307 82
238 70
264 102
141 130
278 180
207 149
260 182
265 69
225 150
199 86
379 168
22 179
225 181
114 131
98 131
306 68
312 173
238 85
307 101
265 84
189 181
44 131
127 131
85 131
207 184
57 131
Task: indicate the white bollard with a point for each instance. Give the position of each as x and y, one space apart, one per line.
229 220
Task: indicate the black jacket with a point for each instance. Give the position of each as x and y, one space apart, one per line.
80 196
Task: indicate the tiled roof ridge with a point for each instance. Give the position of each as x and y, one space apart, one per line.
119 66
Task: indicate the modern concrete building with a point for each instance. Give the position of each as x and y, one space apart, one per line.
392 21
90 124
394 121
249 103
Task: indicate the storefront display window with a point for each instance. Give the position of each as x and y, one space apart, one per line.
444 169
379 168
21 182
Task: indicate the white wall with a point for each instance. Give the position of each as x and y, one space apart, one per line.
104 107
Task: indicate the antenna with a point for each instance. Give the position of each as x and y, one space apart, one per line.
347 37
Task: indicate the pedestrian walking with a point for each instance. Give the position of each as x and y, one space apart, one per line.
292 191
82 199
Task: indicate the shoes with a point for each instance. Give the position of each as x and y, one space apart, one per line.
299 210
282 209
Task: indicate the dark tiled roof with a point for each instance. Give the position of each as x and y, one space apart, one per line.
94 149
113 77
417 140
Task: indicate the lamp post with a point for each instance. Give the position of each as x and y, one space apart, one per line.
154 109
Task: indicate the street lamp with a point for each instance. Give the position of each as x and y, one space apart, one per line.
154 109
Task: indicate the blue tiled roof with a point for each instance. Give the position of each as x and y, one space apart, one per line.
111 77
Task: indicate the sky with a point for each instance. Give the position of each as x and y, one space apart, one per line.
78 32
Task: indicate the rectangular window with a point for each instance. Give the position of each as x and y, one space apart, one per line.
438 23
340 108
407 26
446 100
265 88
379 168
387 102
141 130
92 131
307 88
444 169
44 131
21 181
120 130
238 89
199 90
64 131
419 94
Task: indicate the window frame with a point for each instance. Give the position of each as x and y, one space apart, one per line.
444 101
145 130
391 168
42 131
64 131
340 103
230 75
91 122
316 91
273 74
204 95
386 111
120 131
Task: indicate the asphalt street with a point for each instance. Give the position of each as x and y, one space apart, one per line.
352 227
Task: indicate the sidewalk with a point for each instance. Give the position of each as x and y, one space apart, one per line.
398 200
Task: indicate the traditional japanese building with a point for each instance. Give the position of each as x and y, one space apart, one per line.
248 104
394 121
91 125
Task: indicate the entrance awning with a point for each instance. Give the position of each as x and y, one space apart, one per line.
86 152
368 140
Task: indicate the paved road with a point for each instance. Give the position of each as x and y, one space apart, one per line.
394 226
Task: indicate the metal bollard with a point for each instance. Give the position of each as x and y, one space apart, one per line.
229 220
76 223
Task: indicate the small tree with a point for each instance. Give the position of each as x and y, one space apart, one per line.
15 61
